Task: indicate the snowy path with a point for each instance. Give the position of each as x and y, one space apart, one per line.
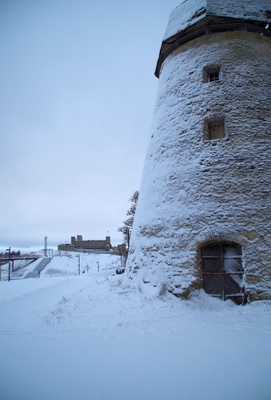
39 268
90 337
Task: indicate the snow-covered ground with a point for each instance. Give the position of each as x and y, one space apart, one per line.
92 336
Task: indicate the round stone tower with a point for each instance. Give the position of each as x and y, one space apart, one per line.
203 218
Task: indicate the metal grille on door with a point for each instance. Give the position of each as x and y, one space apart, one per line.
223 271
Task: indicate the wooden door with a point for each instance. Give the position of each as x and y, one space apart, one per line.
223 271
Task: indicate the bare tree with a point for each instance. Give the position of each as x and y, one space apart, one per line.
126 229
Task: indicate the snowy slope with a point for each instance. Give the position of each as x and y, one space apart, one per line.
94 337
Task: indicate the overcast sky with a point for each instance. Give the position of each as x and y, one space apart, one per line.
77 96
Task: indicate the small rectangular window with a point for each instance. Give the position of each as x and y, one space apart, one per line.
216 130
213 76
211 73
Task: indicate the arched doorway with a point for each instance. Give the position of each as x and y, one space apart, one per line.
223 271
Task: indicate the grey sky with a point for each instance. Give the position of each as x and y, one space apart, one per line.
77 96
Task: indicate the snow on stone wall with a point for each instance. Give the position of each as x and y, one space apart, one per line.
196 190
190 12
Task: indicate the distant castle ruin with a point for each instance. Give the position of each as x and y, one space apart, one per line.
203 217
77 243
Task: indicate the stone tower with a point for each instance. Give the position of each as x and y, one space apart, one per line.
203 218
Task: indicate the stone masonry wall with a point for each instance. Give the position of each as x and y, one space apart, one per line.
196 190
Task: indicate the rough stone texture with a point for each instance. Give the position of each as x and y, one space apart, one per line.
196 190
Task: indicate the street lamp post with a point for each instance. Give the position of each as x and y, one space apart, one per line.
78 255
8 263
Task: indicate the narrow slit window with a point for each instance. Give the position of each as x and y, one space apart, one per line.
216 130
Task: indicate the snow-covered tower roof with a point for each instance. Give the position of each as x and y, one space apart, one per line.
193 18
